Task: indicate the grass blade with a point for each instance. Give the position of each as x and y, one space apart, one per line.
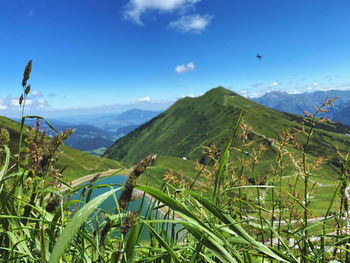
7 161
163 243
42 118
164 198
216 211
219 251
131 243
218 176
74 224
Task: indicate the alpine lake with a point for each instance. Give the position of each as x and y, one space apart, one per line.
148 207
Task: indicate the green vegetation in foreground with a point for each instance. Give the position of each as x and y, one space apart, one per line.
222 223
75 163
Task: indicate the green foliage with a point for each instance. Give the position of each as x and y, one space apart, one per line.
274 224
74 225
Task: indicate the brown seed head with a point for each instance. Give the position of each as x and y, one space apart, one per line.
27 73
95 178
49 150
130 221
52 203
27 90
142 165
131 181
20 99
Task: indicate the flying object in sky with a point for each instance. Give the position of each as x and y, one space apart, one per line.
258 56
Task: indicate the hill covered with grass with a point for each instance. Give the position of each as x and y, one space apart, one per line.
191 123
74 163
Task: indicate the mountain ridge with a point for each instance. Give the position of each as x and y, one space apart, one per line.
191 123
298 103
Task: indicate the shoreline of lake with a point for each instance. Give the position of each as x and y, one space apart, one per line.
86 178
164 210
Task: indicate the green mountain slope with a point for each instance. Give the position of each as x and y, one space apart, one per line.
181 130
76 163
191 123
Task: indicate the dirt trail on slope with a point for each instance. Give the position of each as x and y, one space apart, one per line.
81 165
293 160
88 177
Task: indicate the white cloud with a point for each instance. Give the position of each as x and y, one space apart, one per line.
135 8
14 102
293 91
254 95
29 102
184 68
145 99
243 92
36 94
274 84
191 23
10 106
315 84
40 103
189 96
2 105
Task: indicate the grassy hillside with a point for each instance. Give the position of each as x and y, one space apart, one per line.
191 123
181 130
76 163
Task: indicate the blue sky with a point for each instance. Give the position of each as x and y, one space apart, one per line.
89 53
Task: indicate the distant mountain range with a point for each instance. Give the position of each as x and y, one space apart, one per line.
342 115
99 132
111 122
191 123
298 103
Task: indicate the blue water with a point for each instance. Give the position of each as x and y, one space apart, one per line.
109 205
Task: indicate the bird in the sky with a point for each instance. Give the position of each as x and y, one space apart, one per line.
258 56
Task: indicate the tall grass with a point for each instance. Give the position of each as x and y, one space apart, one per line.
239 216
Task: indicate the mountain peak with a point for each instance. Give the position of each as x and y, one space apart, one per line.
219 91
